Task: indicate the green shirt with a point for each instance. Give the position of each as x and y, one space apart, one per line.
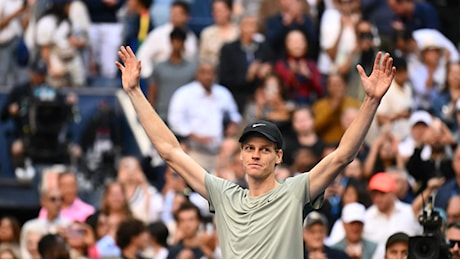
267 226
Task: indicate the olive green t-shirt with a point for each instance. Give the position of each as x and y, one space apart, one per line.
268 226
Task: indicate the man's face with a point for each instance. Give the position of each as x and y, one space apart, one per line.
179 17
453 210
52 202
353 231
188 222
68 188
314 236
259 157
205 75
382 200
397 250
453 235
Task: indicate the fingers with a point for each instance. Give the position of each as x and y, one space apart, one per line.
361 71
119 66
377 61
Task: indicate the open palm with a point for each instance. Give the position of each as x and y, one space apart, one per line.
130 69
383 72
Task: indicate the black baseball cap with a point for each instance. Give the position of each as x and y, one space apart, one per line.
263 128
397 237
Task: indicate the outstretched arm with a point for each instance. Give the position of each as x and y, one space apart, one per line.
375 86
159 134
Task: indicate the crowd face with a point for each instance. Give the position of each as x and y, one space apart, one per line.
75 234
188 223
453 210
296 44
7 232
453 76
397 250
302 121
68 188
453 235
52 201
456 162
384 201
259 157
353 231
350 195
248 27
178 16
314 236
336 86
205 75
221 13
115 197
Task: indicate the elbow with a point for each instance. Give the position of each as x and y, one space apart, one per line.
344 159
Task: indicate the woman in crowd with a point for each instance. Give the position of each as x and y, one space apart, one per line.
10 233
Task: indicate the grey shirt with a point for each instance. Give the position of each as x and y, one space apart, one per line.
267 226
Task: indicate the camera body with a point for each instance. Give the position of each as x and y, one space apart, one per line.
430 245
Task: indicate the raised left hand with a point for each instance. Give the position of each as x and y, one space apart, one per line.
383 72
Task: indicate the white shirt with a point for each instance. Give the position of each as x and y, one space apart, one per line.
147 209
379 227
157 48
192 110
7 8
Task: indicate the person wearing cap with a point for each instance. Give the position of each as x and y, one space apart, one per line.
353 223
265 220
387 215
314 232
397 246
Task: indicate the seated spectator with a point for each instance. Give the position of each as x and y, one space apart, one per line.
453 237
452 186
453 209
447 104
353 243
222 31
145 202
81 241
387 215
314 233
132 238
106 244
53 246
73 208
29 242
299 75
158 236
397 246
10 232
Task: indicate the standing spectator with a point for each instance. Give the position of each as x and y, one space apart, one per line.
105 37
138 23
222 31
157 48
216 106
132 238
353 222
73 208
387 214
10 31
145 202
291 16
329 109
169 75
314 233
413 15
453 236
10 232
188 223
244 62
397 246
299 74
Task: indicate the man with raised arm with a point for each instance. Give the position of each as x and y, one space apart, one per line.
265 220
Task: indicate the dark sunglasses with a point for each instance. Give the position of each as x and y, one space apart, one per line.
56 199
366 36
453 242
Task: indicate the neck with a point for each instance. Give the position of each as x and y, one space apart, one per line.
130 252
176 57
261 187
67 204
246 39
390 210
52 216
191 242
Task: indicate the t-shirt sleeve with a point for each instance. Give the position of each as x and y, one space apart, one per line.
215 187
300 186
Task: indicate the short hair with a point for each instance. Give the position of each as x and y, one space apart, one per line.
127 230
227 3
53 246
400 63
178 34
160 232
188 206
146 3
181 4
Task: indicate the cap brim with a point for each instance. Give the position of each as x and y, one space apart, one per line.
251 133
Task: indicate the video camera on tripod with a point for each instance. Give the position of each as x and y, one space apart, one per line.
430 245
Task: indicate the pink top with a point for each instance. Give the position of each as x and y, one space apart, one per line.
78 211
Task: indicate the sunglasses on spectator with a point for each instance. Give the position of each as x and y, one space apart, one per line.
453 242
365 35
56 199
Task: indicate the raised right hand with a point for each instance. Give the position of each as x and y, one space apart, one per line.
130 69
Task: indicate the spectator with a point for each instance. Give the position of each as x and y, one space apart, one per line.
378 12
8 253
354 170
138 24
107 229
403 190
452 186
115 203
314 233
244 62
105 36
171 74
413 15
445 105
353 222
397 246
453 236
145 202
387 214
188 223
290 17
73 208
453 209
159 248
81 241
10 232
29 243
58 49
222 31
132 238
419 123
53 246
187 119
11 30
300 75
328 110
157 48
383 154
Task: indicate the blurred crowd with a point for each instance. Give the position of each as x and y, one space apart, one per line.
208 68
